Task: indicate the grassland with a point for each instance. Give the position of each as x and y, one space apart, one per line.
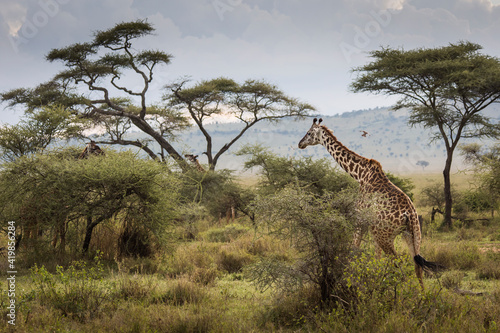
204 285
460 180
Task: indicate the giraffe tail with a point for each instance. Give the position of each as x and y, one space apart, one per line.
419 260
427 265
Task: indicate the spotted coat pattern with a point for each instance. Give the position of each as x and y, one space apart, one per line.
396 213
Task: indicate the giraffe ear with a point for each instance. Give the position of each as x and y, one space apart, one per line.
320 120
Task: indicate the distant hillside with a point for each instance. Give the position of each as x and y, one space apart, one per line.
391 141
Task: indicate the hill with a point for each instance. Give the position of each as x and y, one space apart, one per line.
391 141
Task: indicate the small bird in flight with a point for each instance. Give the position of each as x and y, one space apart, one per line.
365 134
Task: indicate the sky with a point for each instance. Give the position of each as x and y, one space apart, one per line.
306 48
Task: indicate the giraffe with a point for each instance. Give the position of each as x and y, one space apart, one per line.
396 214
230 210
194 159
91 149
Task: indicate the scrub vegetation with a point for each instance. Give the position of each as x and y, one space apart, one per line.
168 259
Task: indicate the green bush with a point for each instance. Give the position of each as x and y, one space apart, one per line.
461 255
225 234
77 291
473 201
62 200
134 288
216 191
183 291
319 229
385 282
232 260
317 176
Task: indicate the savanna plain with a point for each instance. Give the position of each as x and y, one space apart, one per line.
213 273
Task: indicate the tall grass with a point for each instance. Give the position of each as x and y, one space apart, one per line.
202 286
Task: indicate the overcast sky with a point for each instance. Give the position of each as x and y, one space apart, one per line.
306 48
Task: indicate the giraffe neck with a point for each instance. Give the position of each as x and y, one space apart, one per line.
360 168
199 167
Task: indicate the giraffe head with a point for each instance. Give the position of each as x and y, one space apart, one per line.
191 158
312 136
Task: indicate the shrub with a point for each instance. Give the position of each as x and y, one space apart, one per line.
76 291
384 282
233 259
320 229
318 176
225 234
183 291
216 191
473 201
457 255
489 268
134 287
452 280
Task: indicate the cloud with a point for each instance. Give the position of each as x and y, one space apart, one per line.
306 48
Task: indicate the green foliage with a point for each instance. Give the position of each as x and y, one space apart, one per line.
405 184
56 194
445 88
473 201
486 167
111 56
320 228
249 103
76 291
377 285
224 234
316 176
432 195
43 127
211 293
216 191
101 66
122 33
439 78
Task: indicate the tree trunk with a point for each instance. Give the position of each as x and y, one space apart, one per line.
88 234
447 190
146 128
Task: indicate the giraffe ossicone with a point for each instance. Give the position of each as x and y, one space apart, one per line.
91 149
396 213
194 159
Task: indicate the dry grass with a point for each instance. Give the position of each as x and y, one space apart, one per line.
201 286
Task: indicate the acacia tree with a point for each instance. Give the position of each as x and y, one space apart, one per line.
249 103
486 164
102 66
445 88
53 194
36 131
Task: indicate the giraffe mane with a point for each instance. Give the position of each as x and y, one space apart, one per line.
370 160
